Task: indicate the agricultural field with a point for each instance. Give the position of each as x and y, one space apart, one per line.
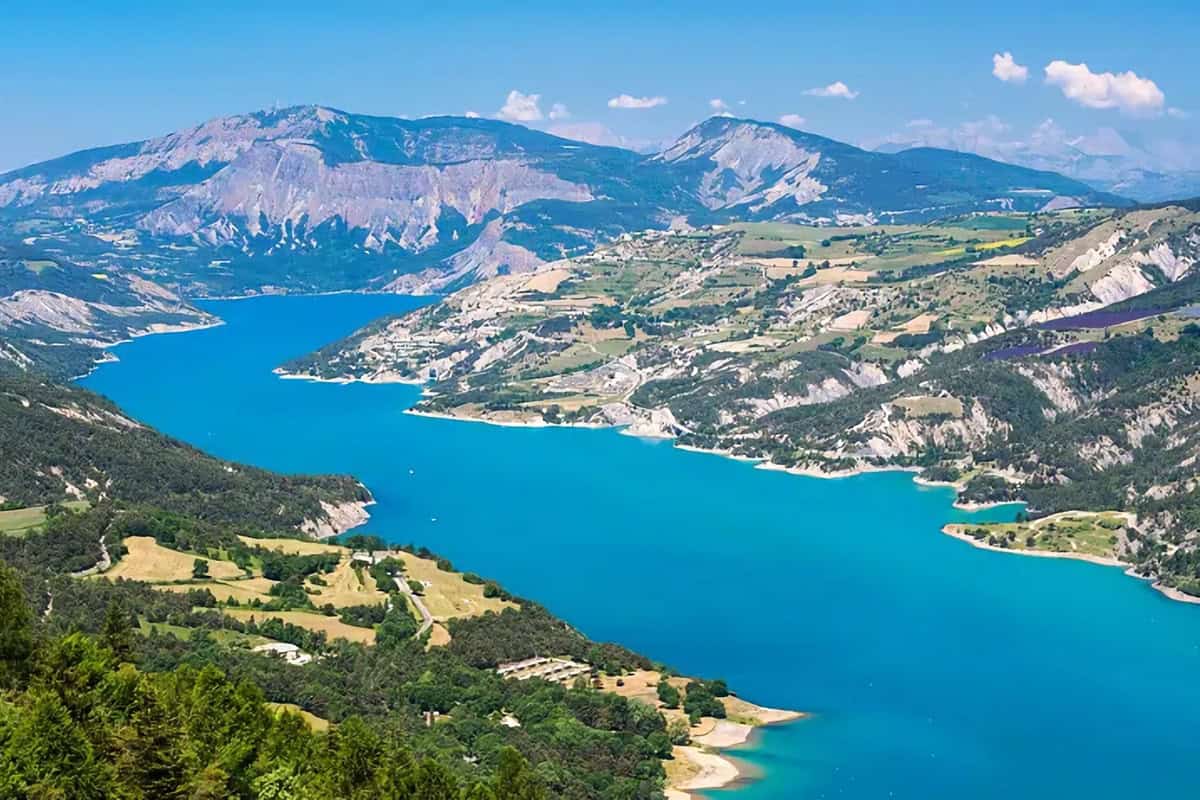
226 637
348 585
333 627
882 247
340 583
314 722
20 521
295 547
447 594
147 560
243 592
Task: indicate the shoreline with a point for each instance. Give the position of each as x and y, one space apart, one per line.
709 753
982 545
107 356
506 423
339 519
282 374
1169 592
809 472
759 463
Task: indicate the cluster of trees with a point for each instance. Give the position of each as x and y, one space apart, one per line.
72 541
78 721
518 633
699 698
579 742
364 616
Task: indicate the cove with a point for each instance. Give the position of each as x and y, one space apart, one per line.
933 669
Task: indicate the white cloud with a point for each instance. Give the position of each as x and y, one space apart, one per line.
472 115
717 104
559 111
1007 69
1125 91
1178 113
835 89
792 120
520 107
628 101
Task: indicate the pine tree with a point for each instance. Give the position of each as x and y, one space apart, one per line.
434 782
515 780
117 632
150 760
358 753
51 754
16 628
278 784
211 784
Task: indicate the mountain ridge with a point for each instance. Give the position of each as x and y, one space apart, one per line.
311 198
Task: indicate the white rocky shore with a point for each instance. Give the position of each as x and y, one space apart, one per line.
337 519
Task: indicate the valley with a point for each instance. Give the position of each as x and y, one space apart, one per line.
1020 342
1047 358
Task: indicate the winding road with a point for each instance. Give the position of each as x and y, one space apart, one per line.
415 599
100 566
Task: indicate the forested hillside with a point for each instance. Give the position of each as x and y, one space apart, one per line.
125 688
62 442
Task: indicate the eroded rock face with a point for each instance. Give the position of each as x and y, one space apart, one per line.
750 164
320 183
290 182
1122 282
483 258
1173 266
377 200
218 141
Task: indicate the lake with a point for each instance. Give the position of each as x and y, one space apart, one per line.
933 669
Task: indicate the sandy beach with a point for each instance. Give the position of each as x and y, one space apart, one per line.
703 765
705 771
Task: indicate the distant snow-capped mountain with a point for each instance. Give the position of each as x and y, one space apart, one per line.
1107 159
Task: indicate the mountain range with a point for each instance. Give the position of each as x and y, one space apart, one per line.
1109 160
315 199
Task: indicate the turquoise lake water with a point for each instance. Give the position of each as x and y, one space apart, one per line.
934 670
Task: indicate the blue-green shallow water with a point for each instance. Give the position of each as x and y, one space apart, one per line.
935 670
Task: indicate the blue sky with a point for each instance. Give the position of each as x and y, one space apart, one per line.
80 75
